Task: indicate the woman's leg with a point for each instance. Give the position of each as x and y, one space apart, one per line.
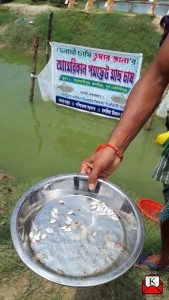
162 259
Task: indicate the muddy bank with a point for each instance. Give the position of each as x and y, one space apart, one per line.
29 10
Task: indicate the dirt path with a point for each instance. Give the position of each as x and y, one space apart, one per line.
30 10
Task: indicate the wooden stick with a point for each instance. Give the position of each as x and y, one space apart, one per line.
34 61
49 36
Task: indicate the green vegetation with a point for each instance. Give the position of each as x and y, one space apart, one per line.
6 17
118 31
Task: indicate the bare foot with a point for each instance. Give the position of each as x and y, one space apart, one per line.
158 260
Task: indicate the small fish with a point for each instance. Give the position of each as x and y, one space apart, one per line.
93 207
69 219
98 208
94 234
105 210
44 235
68 222
71 212
121 246
63 227
52 221
49 230
61 202
114 217
40 256
93 203
53 214
35 227
109 212
55 210
102 213
61 272
31 234
68 229
111 260
37 237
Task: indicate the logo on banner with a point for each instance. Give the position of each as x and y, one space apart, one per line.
152 285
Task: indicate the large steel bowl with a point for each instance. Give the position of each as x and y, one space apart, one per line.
75 237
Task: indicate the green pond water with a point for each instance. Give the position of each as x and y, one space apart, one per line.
40 139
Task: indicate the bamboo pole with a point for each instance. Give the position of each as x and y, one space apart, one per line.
49 36
34 61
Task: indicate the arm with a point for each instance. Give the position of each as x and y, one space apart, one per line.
142 101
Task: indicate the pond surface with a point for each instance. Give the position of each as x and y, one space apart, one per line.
41 139
142 8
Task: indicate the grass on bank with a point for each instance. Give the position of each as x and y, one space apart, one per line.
6 16
118 31
17 282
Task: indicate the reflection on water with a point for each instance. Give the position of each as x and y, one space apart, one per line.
36 126
41 139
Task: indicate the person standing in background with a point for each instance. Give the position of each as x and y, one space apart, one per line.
164 24
109 6
151 10
164 106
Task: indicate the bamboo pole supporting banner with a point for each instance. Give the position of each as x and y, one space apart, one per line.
34 61
49 36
